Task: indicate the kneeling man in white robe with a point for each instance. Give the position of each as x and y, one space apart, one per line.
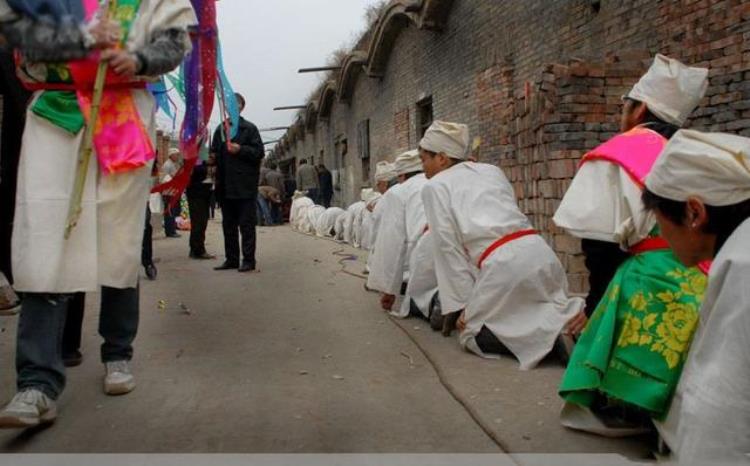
492 267
402 223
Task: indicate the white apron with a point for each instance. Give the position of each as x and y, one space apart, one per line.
105 247
520 293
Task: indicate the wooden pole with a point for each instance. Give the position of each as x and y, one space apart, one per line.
87 144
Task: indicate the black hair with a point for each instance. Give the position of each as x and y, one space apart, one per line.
411 174
654 122
434 154
722 221
240 99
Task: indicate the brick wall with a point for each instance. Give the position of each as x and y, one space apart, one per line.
539 83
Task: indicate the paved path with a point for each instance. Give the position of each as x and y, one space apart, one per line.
296 358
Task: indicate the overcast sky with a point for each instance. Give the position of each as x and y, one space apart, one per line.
266 42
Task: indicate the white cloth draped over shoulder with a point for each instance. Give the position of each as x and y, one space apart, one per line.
710 414
604 203
105 247
403 221
520 293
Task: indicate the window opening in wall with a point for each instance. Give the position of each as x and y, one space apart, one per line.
363 141
424 116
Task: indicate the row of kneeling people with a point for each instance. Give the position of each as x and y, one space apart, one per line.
661 342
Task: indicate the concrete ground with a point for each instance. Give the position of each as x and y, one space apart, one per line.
296 358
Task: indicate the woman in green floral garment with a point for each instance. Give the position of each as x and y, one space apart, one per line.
637 340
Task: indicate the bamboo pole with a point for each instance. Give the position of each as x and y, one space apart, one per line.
87 144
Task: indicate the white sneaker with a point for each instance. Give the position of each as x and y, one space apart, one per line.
118 380
28 408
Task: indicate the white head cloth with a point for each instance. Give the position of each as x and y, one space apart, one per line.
173 151
714 167
670 89
408 162
384 171
451 139
365 194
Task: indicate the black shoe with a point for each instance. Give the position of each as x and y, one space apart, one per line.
226 266
202 256
150 271
174 235
73 359
245 267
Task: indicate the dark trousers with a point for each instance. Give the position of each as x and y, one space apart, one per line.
488 343
276 213
199 204
212 203
41 324
170 213
325 199
147 248
73 324
240 216
602 259
313 194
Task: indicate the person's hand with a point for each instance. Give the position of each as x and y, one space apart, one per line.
387 301
106 34
461 322
576 325
122 62
233 148
370 207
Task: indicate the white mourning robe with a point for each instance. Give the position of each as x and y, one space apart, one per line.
351 231
604 203
377 217
368 219
402 223
327 221
709 418
338 227
299 211
104 249
312 215
423 285
521 292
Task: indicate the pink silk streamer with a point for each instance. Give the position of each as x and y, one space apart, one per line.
120 138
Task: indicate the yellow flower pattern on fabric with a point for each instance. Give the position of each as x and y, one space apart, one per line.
665 322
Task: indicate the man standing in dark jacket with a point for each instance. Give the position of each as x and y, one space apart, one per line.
325 181
237 176
199 204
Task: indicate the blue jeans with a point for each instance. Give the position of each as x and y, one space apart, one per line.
39 362
265 210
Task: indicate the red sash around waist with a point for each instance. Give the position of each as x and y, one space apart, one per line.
503 241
